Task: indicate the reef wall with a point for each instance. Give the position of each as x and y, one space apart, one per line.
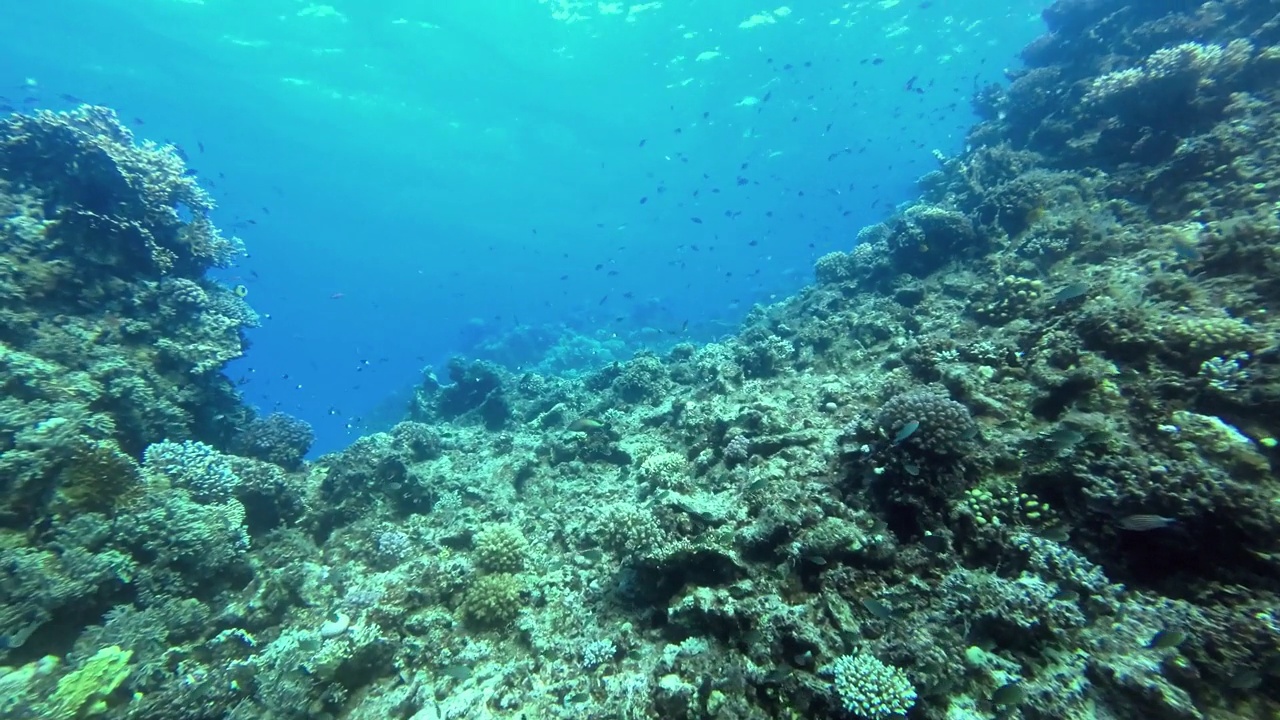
1012 455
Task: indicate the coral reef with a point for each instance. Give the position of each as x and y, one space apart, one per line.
1013 455
114 502
110 336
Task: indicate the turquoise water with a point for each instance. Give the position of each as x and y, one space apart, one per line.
412 178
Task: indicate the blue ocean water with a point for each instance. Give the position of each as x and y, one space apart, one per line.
414 179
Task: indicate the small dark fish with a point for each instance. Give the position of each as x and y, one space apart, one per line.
907 431
1062 438
1143 522
877 608
586 425
912 469
1166 639
1057 533
200 145
1011 694
642 142
593 555
579 697
934 543
1272 665
1070 292
1066 595
644 199
1247 680
70 98
696 220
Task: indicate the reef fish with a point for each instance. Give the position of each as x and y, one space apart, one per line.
1011 694
907 431
1144 522
1166 639
1070 292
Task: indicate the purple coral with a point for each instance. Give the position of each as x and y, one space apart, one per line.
737 450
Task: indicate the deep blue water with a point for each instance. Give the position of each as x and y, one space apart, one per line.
410 177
